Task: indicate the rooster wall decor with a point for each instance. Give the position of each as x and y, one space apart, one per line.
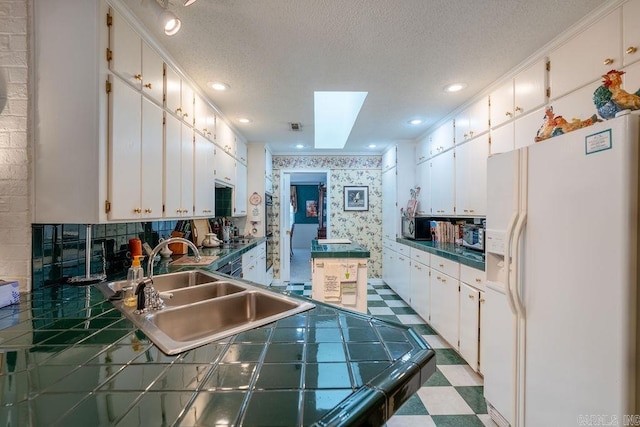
610 98
557 125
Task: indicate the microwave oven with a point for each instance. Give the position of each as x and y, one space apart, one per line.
473 236
416 228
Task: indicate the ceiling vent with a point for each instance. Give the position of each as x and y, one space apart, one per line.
296 127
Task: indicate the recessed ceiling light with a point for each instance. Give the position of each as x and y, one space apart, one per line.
415 121
189 2
455 87
299 145
372 145
219 86
244 120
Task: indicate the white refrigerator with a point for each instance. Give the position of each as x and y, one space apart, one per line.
559 330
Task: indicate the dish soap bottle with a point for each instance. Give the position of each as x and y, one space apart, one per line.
134 275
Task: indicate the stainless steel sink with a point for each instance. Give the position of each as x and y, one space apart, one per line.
197 293
202 307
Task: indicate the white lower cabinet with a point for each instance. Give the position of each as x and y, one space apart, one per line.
481 346
444 306
420 289
469 324
403 276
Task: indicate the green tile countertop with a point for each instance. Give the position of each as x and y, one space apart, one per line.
450 251
68 357
338 250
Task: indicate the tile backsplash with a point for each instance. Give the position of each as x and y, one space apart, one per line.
58 250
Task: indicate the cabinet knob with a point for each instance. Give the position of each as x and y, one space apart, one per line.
137 210
508 114
608 61
631 49
179 110
185 115
138 76
518 109
478 280
471 296
482 300
148 85
471 133
441 265
147 210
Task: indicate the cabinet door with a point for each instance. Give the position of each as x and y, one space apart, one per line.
387 266
173 93
204 177
125 155
530 88
630 31
423 178
422 150
586 57
578 104
151 166
471 177
526 128
241 152
469 324
444 306
481 345
204 120
442 138
225 137
186 97
152 74
403 271
501 108
172 167
389 159
442 184
126 51
225 167
419 289
502 139
186 184
473 121
240 190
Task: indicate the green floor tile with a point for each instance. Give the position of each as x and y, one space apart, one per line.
473 395
403 310
413 406
456 421
376 304
448 356
390 297
437 380
424 329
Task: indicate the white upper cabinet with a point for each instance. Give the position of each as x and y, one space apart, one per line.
178 177
225 167
423 177
441 139
502 138
389 159
471 177
179 97
241 152
630 32
422 149
204 120
473 121
587 56
225 138
443 184
240 197
135 156
133 60
204 163
520 95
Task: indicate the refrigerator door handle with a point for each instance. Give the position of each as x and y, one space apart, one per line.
507 264
515 292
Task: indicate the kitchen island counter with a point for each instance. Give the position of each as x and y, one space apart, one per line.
68 357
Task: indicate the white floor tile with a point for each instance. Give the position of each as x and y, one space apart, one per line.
385 292
435 341
410 319
460 375
396 303
374 297
410 421
377 311
443 401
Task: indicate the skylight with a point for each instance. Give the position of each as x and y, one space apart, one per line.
335 113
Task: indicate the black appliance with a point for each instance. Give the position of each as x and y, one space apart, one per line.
416 228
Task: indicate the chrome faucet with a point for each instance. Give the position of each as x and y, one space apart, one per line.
148 296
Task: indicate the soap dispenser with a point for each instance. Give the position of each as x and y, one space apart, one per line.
134 275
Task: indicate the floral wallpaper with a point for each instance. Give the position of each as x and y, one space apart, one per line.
363 227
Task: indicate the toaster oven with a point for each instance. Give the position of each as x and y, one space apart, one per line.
473 236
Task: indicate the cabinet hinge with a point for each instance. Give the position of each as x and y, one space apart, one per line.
548 65
109 55
163 209
548 92
489 139
108 86
107 206
109 20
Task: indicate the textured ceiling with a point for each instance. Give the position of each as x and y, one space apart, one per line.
275 53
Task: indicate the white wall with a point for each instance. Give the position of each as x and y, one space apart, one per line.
15 169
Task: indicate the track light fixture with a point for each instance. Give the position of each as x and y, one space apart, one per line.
169 22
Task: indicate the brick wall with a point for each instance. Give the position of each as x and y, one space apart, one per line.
15 215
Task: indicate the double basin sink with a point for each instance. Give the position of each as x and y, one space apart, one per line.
201 307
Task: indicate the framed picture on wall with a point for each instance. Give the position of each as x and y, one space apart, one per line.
356 198
312 208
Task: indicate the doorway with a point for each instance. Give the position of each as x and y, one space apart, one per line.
303 220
